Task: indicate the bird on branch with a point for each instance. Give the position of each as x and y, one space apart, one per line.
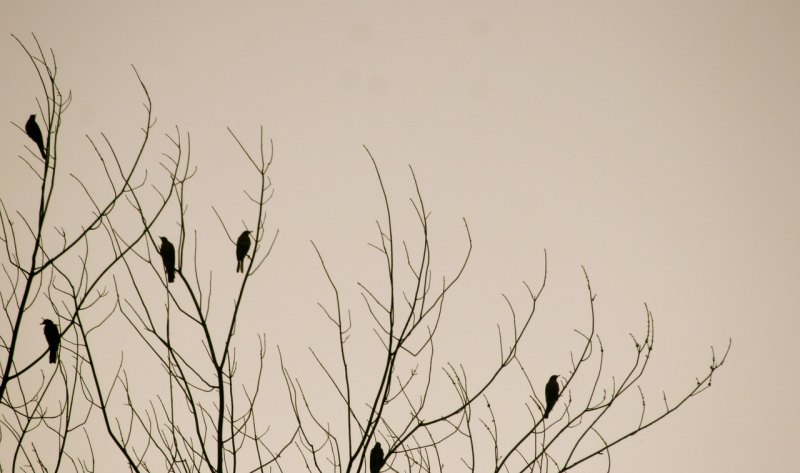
242 247
167 252
376 459
551 394
35 133
53 337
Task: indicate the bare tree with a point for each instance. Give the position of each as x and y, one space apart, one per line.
197 408
97 275
57 271
204 421
400 410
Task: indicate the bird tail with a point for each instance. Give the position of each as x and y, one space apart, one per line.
547 411
53 351
239 266
171 275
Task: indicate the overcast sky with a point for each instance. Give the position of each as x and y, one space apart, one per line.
656 143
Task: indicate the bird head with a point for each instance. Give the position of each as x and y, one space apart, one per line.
246 233
46 322
554 377
163 239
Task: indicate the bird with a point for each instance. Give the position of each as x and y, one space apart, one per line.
167 252
376 459
242 247
551 394
35 133
53 337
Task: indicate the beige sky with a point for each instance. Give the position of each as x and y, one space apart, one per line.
658 144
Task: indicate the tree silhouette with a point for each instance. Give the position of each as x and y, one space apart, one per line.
179 390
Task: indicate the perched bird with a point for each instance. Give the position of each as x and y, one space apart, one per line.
242 247
167 252
53 338
35 133
376 460
551 394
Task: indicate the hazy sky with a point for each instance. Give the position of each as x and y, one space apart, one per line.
656 143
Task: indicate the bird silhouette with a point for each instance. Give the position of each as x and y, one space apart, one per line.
242 247
167 252
53 337
376 459
35 133
551 394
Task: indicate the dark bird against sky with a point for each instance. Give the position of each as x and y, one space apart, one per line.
376 459
167 252
35 133
53 337
551 394
242 247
